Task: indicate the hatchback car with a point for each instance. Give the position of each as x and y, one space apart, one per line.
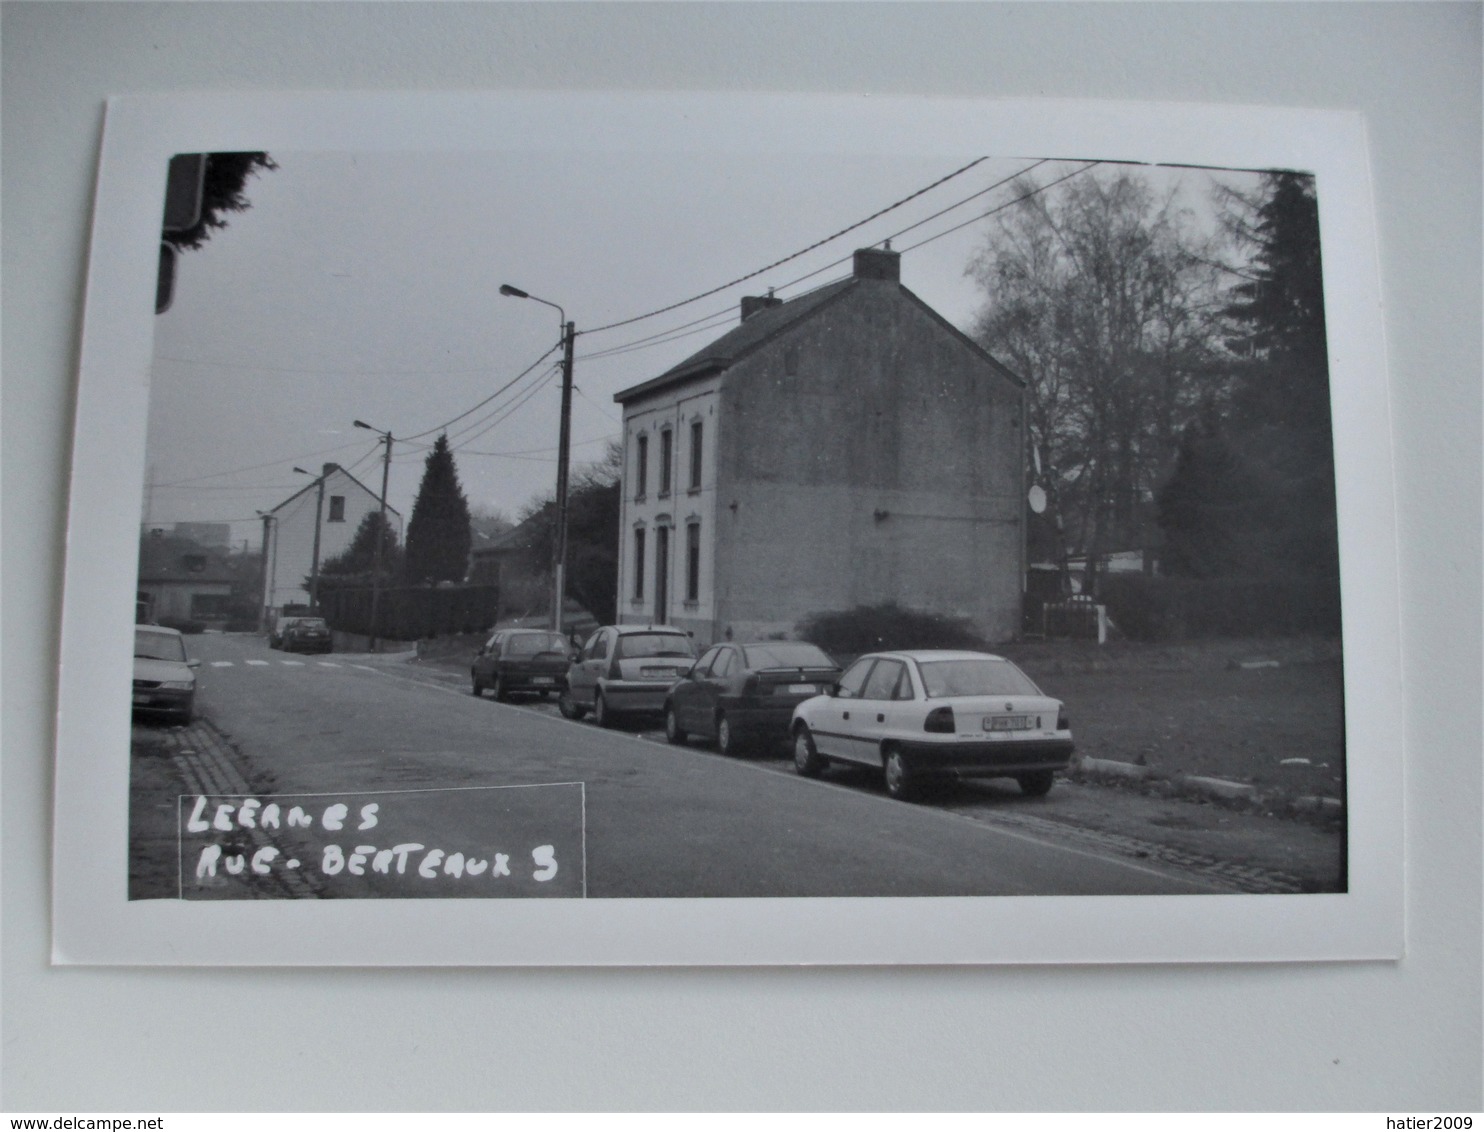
306 634
521 660
164 677
743 694
929 714
626 670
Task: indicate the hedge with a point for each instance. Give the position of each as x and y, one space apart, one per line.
1148 607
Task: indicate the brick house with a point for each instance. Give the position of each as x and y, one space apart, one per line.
847 447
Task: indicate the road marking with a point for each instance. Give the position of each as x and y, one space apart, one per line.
221 664
327 664
258 662
293 663
365 668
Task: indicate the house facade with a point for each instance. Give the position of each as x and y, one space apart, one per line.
335 503
180 580
848 447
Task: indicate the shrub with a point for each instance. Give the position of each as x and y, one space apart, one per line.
867 628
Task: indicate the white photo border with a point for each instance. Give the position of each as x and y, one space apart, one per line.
94 922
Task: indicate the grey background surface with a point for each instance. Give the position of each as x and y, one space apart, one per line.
1380 1036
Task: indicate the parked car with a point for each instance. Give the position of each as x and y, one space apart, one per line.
164 677
522 660
626 670
306 634
929 714
738 695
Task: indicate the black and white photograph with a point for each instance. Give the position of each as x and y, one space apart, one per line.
774 523
1003 488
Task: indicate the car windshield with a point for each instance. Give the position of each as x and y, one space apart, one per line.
986 677
632 645
309 623
529 644
786 654
158 646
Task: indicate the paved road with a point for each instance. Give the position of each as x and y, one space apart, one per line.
660 821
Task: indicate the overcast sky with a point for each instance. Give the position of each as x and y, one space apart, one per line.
366 286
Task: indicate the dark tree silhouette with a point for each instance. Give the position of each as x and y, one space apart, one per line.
438 532
356 562
222 192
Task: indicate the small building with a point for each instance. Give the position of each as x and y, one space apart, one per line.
335 503
847 447
180 581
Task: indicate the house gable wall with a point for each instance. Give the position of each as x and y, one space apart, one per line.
868 455
291 550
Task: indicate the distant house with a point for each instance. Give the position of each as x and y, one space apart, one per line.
181 580
847 447
335 502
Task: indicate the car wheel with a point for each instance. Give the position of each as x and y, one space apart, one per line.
601 715
1036 783
728 742
478 688
500 693
899 782
807 760
672 726
568 706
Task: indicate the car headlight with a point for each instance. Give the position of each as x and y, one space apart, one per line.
178 685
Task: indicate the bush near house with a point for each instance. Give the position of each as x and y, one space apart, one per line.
868 628
1157 608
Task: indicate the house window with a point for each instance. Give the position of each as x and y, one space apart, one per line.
695 456
661 575
638 564
194 563
667 456
641 472
337 508
693 562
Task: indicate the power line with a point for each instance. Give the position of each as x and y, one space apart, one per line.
509 410
795 255
259 467
487 400
721 316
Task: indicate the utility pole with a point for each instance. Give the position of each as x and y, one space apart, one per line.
319 511
564 444
386 467
564 449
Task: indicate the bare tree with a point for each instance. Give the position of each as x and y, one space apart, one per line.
1102 294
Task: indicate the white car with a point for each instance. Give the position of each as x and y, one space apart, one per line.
925 714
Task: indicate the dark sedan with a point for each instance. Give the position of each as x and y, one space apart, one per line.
738 695
522 660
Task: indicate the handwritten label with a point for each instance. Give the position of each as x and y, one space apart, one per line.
488 841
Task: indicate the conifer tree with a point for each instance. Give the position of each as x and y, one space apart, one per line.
438 532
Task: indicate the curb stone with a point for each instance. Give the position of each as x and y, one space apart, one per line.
1220 788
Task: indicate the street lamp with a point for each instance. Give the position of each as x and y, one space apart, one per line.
564 443
319 511
386 467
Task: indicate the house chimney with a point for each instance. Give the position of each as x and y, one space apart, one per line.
328 468
751 304
878 263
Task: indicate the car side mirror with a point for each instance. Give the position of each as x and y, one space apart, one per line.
193 664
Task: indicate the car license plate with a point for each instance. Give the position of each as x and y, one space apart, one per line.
541 680
657 671
1008 722
801 689
141 699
